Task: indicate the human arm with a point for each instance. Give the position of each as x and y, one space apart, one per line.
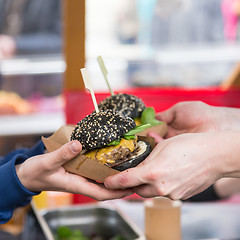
12 193
30 176
183 166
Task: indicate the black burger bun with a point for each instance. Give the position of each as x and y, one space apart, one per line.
99 129
126 104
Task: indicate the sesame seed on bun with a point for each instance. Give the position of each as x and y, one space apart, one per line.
126 104
99 129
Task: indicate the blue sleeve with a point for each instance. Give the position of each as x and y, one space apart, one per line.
12 193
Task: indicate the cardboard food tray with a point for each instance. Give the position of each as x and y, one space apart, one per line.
84 166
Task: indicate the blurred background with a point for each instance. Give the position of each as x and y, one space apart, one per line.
144 43
158 44
186 43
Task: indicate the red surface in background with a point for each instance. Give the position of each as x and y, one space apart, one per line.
79 103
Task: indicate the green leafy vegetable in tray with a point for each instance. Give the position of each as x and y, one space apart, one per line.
65 233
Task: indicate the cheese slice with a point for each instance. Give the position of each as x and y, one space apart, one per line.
103 155
137 121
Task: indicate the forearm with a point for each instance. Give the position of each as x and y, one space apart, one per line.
12 193
37 149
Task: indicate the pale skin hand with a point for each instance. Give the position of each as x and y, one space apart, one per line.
197 116
183 166
45 173
7 46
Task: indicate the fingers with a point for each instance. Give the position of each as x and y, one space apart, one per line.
127 179
100 193
166 116
154 135
146 191
142 174
80 185
142 186
67 152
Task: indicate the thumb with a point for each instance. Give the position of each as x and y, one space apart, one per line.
65 153
166 116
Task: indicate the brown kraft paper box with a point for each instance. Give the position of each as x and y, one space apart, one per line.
85 166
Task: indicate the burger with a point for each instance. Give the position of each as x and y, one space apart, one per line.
130 106
126 104
111 138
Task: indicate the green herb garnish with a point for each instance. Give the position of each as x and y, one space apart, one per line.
131 134
147 120
129 137
137 129
148 116
114 143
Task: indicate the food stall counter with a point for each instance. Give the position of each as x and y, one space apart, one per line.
199 221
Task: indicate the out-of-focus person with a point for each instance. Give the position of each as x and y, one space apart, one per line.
230 16
29 27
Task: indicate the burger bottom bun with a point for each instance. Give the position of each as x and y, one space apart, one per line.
142 151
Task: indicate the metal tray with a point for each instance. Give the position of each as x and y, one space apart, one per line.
91 220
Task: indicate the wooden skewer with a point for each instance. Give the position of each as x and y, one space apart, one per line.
88 85
105 72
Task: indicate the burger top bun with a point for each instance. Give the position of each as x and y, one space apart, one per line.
129 105
98 129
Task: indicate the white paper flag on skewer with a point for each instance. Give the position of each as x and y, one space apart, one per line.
88 85
105 72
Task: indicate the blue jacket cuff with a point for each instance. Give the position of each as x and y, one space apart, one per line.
15 194
12 193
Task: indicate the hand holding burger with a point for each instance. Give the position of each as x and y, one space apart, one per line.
203 146
46 173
